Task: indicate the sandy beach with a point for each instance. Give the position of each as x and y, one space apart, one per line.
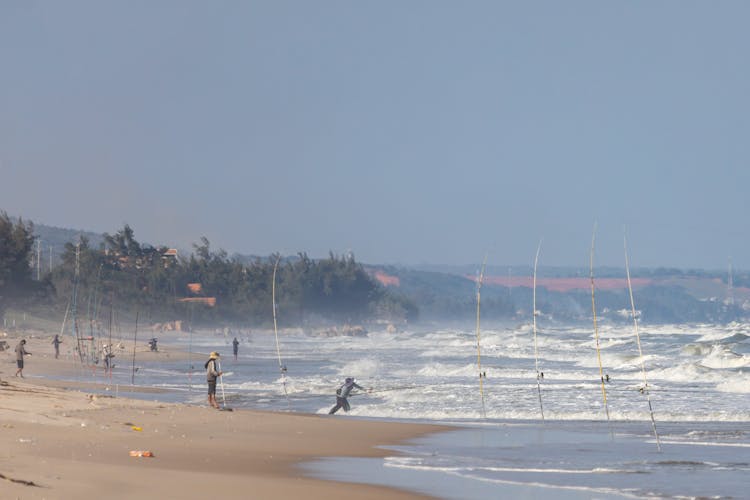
67 430
59 442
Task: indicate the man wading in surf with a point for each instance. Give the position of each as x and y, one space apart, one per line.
343 392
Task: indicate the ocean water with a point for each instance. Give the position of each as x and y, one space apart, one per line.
699 384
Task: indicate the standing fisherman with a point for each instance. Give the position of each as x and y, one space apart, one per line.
56 342
235 347
343 392
20 353
212 373
107 352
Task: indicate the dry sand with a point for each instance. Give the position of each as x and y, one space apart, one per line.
58 442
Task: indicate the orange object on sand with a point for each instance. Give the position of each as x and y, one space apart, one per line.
141 453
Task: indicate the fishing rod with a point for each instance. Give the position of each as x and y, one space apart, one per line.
536 352
362 393
190 353
282 367
94 316
88 314
638 341
596 329
65 319
135 338
74 305
479 338
400 388
221 382
107 357
373 391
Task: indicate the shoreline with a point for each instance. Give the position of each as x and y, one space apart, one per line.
265 451
60 442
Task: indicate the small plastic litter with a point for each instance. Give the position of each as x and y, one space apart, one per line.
141 453
136 428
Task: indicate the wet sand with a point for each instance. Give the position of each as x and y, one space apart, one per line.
59 442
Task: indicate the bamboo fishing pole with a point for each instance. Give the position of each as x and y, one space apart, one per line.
107 357
479 338
638 342
282 368
65 319
190 353
74 305
94 316
221 382
596 329
536 352
135 339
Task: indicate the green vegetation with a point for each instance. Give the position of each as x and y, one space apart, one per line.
130 276
16 285
119 271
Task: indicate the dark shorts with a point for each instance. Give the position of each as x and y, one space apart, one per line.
343 403
212 387
19 362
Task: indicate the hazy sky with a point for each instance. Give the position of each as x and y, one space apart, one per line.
404 131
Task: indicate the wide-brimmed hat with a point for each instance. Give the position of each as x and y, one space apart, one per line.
214 355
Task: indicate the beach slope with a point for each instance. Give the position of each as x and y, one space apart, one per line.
60 444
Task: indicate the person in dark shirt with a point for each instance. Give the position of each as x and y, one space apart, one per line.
56 342
235 347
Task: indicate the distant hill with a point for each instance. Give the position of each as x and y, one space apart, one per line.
53 239
58 236
449 292
661 296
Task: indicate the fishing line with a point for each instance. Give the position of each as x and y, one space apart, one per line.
282 368
74 305
479 338
62 328
190 352
94 317
536 352
638 341
400 388
366 393
135 337
596 329
107 352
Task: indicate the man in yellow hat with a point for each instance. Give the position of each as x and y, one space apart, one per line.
212 373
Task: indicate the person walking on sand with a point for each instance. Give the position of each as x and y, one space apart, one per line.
343 392
20 353
235 347
56 342
212 373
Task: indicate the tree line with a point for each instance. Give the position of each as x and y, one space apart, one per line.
206 286
16 249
